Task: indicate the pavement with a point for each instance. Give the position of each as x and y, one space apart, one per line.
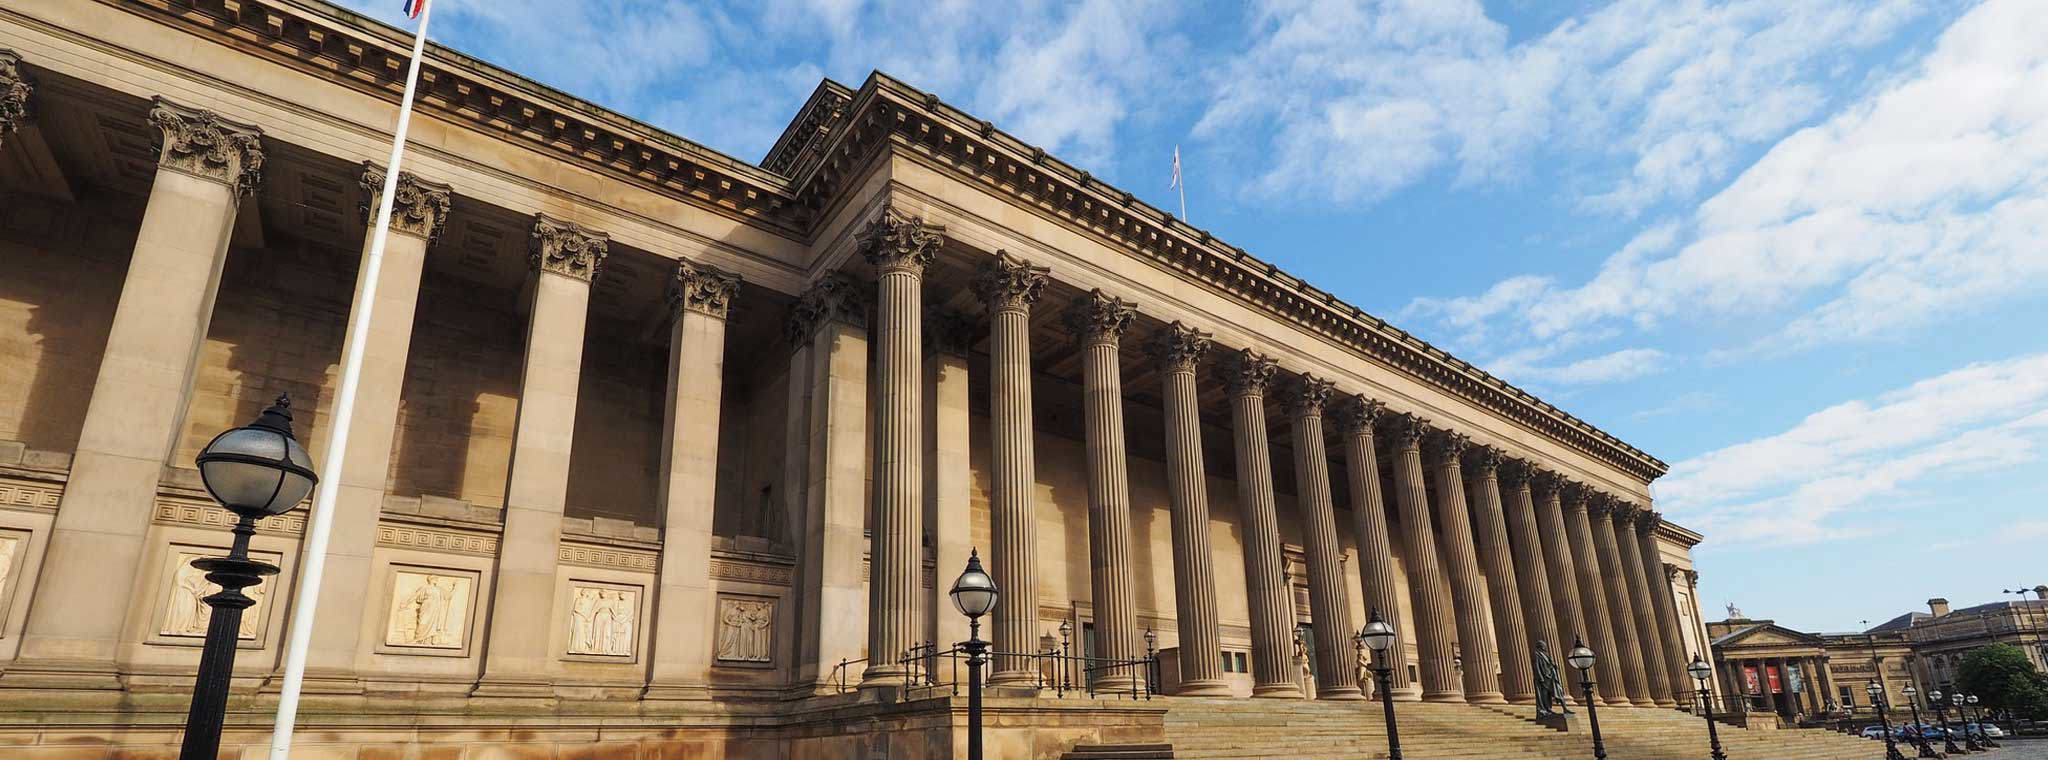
2013 749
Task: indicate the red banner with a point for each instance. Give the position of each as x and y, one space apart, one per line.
1749 678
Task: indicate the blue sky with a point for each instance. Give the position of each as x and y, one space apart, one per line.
1796 248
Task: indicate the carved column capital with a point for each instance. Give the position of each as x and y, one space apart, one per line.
1450 446
1574 494
16 89
1248 373
1409 430
949 332
566 248
1307 395
1647 520
1356 415
896 242
1545 481
1011 283
1485 461
1624 515
833 298
702 289
1600 504
1179 347
1100 318
419 208
201 143
1514 473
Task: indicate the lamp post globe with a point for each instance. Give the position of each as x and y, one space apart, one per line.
974 594
1377 636
258 470
1701 672
1582 657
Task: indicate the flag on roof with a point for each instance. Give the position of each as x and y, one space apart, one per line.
414 7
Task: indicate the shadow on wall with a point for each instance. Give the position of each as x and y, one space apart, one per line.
64 264
461 394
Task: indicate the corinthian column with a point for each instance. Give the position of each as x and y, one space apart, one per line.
1621 614
700 297
1099 321
1599 630
1665 607
1532 572
899 247
1248 375
1547 491
1434 635
1011 286
1329 604
15 91
1369 521
1468 588
1644 616
566 258
1518 679
206 167
1179 349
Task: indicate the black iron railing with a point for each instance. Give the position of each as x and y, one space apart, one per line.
928 670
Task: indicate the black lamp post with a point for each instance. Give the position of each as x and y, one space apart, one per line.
1919 735
1971 700
1969 736
1876 692
1702 672
2028 618
1581 657
974 594
255 471
1948 735
1378 635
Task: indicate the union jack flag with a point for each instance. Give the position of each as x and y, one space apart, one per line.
414 7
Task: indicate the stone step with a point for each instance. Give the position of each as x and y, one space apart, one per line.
1119 752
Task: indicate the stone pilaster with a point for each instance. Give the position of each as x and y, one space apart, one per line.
1599 625
1010 287
700 298
1098 322
825 470
1355 418
899 247
418 212
1504 595
1643 607
1179 350
1621 613
566 258
1329 600
1248 376
17 93
207 164
1664 606
1532 571
1435 636
1461 564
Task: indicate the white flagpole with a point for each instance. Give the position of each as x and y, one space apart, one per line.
305 602
1180 182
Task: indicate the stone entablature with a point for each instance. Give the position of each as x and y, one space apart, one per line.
882 112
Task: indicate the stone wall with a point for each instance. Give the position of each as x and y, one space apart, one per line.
64 267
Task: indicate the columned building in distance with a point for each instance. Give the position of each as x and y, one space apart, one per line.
690 447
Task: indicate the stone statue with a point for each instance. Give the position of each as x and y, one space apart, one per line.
1735 613
1363 666
1550 693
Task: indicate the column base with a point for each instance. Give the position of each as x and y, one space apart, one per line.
1667 703
1014 678
1408 695
1642 701
1522 700
1286 690
1445 697
1203 688
1340 694
1486 698
884 676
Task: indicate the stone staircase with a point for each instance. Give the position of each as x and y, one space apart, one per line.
1204 728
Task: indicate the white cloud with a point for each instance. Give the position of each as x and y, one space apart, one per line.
1627 364
1796 486
1927 198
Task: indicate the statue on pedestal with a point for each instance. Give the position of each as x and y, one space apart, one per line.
1550 694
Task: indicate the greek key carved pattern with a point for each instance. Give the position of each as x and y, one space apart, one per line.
586 555
428 539
749 572
201 515
31 496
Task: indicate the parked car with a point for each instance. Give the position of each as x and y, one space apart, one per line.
1873 732
1985 730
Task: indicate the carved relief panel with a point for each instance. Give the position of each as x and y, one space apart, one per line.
604 620
13 553
184 615
746 630
429 611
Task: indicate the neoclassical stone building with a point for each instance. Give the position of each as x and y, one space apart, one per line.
655 434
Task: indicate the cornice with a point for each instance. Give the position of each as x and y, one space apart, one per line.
832 139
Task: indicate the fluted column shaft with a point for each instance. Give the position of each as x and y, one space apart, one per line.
1461 564
1539 611
1643 609
1517 679
1099 321
1665 605
1329 606
1557 559
1434 635
1620 609
1011 287
1369 523
1248 375
899 247
1179 350
1598 625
